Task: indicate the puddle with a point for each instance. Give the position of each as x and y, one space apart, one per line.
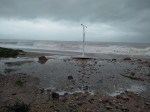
96 75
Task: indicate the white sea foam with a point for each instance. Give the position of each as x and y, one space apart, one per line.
106 48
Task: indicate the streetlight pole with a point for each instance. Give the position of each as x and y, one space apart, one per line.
83 37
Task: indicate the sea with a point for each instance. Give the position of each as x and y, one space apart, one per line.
48 46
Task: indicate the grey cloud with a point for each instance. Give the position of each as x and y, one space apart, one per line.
124 15
74 10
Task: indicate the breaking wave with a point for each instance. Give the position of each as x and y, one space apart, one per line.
90 47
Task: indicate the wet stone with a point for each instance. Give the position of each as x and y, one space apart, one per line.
118 96
125 98
80 103
41 90
55 95
105 100
127 58
108 107
88 110
64 99
147 103
13 93
125 109
117 107
70 77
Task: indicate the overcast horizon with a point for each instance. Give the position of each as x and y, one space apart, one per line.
106 20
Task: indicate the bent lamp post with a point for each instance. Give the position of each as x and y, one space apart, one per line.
83 37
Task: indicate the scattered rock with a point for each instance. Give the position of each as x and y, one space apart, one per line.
125 98
108 107
48 91
105 100
125 109
80 103
71 86
147 103
41 90
139 60
64 99
132 73
117 107
70 77
118 96
13 93
55 95
88 110
127 58
113 59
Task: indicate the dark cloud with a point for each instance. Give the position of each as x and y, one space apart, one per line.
126 15
75 10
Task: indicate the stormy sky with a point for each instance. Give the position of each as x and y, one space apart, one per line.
106 20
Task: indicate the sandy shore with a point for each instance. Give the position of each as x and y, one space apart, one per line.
33 54
41 99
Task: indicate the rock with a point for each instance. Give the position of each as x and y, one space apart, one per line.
105 100
127 58
48 91
147 103
65 94
41 90
13 93
118 96
139 60
132 73
55 95
64 99
88 110
71 86
117 107
125 98
108 107
113 59
42 59
10 98
70 77
80 103
119 104
125 109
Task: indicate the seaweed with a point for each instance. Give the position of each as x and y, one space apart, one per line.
7 70
8 52
19 83
18 106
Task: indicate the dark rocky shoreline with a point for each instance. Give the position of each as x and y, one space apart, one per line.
25 87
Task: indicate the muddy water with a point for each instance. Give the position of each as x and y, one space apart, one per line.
88 75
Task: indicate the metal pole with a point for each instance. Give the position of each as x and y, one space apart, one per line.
83 38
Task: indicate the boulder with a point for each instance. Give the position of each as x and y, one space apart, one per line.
42 59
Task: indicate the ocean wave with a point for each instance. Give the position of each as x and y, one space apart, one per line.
77 47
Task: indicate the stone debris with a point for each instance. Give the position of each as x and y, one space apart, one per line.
127 58
88 110
55 95
70 77
41 90
108 107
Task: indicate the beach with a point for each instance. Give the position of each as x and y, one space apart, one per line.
100 83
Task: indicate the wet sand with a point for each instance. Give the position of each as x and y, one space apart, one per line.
95 83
